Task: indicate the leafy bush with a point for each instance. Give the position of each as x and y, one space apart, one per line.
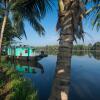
19 87
21 90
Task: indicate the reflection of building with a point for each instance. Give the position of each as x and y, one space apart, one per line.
28 67
96 46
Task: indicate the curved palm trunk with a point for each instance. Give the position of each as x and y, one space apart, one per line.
2 31
60 89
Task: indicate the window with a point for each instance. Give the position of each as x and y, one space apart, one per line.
26 51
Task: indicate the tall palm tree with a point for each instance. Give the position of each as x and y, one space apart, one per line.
19 11
9 33
70 26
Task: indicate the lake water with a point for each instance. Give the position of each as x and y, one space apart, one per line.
85 76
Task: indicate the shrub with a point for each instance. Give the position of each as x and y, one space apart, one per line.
19 87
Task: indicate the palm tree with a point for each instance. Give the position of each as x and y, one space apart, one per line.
94 13
19 11
9 34
70 26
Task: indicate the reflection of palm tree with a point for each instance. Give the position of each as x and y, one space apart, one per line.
70 27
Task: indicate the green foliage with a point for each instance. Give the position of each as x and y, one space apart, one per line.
81 47
21 90
18 87
21 10
9 32
48 49
94 12
96 46
54 49
1 83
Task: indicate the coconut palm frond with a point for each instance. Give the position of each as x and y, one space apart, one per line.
33 11
96 20
77 21
35 23
38 7
98 26
37 26
94 15
1 12
9 32
18 23
92 9
90 1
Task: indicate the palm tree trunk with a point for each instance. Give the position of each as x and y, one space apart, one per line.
60 89
2 31
61 83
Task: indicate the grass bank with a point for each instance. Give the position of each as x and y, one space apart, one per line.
13 86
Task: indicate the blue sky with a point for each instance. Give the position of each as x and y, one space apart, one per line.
51 36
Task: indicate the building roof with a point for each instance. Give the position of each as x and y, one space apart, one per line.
21 46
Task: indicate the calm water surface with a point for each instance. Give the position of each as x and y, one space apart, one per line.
85 77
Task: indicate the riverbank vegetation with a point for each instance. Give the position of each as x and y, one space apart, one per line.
69 25
78 47
13 86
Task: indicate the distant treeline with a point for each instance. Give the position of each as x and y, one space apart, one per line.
54 49
48 49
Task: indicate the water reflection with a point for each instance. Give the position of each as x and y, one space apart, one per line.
94 54
40 72
85 78
27 67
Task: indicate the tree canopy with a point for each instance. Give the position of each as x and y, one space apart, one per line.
20 10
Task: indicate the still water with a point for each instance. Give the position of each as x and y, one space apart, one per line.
85 76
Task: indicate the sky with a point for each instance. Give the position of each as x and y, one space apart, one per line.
51 36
